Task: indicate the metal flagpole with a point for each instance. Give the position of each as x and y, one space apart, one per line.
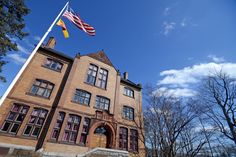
30 57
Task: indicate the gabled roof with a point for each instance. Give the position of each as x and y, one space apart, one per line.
101 56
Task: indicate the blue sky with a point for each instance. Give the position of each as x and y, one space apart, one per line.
166 42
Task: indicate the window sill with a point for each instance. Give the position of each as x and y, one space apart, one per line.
99 109
79 103
17 136
68 143
7 133
59 71
29 137
95 86
30 94
128 96
131 120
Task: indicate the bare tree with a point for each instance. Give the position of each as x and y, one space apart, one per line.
170 126
218 97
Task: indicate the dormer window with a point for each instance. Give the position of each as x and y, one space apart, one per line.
128 92
53 64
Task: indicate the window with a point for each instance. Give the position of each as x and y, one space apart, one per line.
15 118
57 127
128 113
72 128
53 64
36 122
42 88
85 130
123 138
134 140
102 103
92 73
102 78
128 92
82 97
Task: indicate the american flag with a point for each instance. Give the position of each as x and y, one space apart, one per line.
76 20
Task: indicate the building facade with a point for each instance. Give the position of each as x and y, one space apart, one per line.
63 105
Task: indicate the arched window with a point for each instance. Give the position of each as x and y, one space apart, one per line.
42 88
15 118
101 130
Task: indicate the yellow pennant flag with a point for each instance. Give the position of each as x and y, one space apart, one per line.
64 30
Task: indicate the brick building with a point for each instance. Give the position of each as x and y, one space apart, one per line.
62 105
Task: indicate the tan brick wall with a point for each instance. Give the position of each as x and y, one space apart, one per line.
76 80
18 141
36 70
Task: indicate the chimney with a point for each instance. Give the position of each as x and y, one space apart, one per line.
126 75
51 42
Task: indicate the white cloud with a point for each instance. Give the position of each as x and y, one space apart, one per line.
216 59
22 49
166 11
183 23
36 38
181 82
16 58
168 27
28 43
176 92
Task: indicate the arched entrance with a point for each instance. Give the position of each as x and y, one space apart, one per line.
101 135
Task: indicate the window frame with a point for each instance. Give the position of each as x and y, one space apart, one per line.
101 79
35 124
81 96
127 110
35 87
60 121
127 91
103 103
90 73
84 134
133 140
14 121
71 130
53 61
123 138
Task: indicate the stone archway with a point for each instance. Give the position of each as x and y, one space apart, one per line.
101 134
